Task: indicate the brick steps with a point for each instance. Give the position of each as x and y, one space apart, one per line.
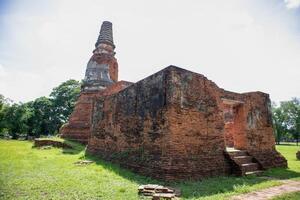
243 159
237 153
249 167
245 163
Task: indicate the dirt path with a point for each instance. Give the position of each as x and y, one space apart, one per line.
287 187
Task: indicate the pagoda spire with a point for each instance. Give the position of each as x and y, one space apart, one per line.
106 34
102 68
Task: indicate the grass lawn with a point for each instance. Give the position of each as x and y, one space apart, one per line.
30 173
293 172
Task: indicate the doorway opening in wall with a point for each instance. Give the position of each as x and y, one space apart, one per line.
234 124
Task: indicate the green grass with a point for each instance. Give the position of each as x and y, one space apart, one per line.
289 196
31 173
293 171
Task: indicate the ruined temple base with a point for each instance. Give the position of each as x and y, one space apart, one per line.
79 125
172 126
175 125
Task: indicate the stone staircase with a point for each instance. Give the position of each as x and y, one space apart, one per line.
242 163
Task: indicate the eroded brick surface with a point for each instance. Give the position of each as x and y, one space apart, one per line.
176 124
79 125
171 125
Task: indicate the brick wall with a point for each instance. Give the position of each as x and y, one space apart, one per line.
171 126
79 125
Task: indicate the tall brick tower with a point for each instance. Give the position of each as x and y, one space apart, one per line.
102 68
101 72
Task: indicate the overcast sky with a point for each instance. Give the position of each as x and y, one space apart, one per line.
242 45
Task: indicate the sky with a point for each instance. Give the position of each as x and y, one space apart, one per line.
242 45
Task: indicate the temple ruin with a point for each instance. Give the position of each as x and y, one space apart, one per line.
173 125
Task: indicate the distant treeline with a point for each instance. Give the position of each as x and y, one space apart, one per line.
43 116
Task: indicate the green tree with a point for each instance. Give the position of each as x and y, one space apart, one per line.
292 113
279 121
40 121
2 106
64 98
43 116
15 119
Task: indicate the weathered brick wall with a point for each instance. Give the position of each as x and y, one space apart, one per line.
130 127
259 130
171 126
196 142
167 126
79 125
252 128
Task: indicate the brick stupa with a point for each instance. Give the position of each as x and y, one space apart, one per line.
101 78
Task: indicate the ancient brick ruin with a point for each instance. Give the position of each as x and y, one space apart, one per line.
101 79
174 124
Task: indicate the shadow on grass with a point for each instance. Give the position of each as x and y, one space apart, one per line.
282 173
68 146
218 185
189 189
125 173
76 147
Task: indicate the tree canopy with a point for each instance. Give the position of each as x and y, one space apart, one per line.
286 118
43 116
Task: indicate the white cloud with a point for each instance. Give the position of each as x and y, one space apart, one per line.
290 4
231 43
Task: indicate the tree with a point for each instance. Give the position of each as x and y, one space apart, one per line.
292 113
2 107
40 121
280 126
286 119
43 116
64 98
15 119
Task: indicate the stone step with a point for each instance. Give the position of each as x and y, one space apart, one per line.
237 153
257 172
245 162
249 167
242 159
